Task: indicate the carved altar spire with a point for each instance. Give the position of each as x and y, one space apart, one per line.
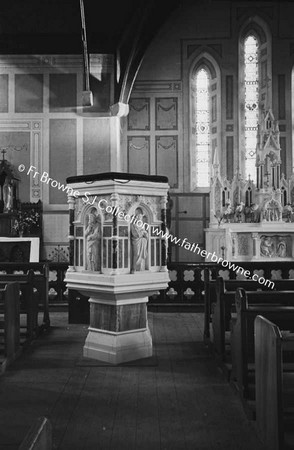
268 158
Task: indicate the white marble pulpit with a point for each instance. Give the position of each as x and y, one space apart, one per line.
118 258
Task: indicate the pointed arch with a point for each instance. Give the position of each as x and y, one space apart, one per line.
205 120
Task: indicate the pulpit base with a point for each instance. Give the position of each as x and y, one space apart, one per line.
117 348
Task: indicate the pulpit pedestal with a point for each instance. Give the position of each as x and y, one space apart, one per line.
118 258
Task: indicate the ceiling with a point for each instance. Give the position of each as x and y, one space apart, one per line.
53 26
123 28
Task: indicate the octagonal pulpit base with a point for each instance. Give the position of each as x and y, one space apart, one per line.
117 348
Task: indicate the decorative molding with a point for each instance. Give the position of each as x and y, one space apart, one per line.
138 147
166 113
139 115
97 61
167 158
157 86
9 125
229 127
35 128
191 48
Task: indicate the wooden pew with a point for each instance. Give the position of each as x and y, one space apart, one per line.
39 436
210 290
242 337
29 301
274 385
10 301
40 282
222 308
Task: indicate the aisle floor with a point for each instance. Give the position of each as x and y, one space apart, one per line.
178 399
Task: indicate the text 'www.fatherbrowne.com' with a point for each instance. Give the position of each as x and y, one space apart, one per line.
212 256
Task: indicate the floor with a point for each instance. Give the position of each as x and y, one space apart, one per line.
178 399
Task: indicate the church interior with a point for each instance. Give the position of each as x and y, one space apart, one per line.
146 237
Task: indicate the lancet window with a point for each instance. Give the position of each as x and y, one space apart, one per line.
251 116
202 128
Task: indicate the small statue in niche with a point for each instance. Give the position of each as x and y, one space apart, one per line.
272 211
239 212
7 196
282 249
139 243
92 236
266 247
255 213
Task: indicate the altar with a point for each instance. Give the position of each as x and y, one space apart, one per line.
251 242
253 220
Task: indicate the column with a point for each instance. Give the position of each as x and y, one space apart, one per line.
163 201
71 206
114 203
256 249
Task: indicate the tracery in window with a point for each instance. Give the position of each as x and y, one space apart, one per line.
202 109
251 104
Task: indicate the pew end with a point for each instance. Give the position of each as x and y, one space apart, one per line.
274 385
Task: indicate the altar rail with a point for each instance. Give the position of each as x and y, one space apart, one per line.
187 280
186 285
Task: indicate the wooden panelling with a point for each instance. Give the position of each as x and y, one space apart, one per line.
193 232
192 205
167 158
63 155
139 154
96 146
28 93
139 115
166 113
63 92
3 93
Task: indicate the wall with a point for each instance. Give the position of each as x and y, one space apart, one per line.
43 124
156 133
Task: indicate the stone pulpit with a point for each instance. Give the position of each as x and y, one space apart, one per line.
118 258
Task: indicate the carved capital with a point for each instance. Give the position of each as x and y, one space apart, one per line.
71 202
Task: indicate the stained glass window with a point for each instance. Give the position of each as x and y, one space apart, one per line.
202 129
251 104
